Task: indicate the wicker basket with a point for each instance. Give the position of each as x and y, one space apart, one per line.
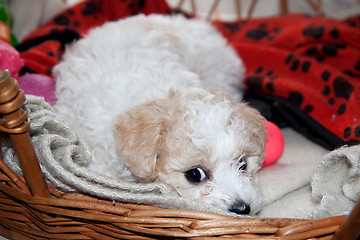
30 209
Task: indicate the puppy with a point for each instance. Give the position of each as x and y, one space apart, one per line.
157 98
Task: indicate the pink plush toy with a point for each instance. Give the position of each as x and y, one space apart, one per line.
39 85
36 84
274 144
10 59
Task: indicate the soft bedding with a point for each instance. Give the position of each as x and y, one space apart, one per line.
302 72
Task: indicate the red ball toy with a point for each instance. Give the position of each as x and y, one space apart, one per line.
274 145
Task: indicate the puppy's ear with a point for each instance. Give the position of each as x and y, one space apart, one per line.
257 134
255 121
139 136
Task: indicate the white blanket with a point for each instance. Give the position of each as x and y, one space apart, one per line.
303 183
308 181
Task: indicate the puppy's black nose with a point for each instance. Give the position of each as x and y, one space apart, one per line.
240 208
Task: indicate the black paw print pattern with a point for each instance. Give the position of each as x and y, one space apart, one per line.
330 46
234 27
325 41
91 8
261 77
313 31
262 31
325 50
303 65
353 21
297 63
249 31
338 90
136 6
327 95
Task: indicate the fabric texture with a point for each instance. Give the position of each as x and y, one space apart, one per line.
336 181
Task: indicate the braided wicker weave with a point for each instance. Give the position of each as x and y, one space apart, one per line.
30 209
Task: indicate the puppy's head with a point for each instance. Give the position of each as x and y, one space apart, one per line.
204 145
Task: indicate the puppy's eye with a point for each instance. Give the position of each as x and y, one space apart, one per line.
195 175
242 165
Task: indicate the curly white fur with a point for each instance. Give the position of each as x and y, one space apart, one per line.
139 91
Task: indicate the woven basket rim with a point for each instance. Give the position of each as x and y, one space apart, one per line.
74 209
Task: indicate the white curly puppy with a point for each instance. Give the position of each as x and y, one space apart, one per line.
144 93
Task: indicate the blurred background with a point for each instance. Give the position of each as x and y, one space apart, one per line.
230 9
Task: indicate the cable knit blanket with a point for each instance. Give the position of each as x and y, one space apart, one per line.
301 184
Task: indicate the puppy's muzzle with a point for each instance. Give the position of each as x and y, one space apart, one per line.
240 208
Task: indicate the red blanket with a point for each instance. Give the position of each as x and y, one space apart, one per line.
301 71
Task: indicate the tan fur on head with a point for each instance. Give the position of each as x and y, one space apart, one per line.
165 137
139 134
